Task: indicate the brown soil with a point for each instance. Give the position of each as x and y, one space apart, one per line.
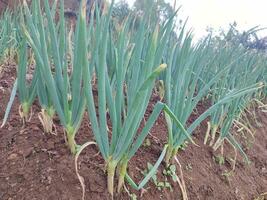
35 165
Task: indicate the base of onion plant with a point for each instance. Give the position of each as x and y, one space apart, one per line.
46 118
70 133
122 170
111 168
170 155
219 143
24 112
214 129
171 149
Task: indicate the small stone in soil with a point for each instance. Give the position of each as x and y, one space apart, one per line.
12 156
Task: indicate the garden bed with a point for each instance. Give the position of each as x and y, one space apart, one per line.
35 165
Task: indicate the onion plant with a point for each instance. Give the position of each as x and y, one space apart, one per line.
185 86
29 81
62 79
245 72
124 86
225 56
16 51
47 109
26 88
